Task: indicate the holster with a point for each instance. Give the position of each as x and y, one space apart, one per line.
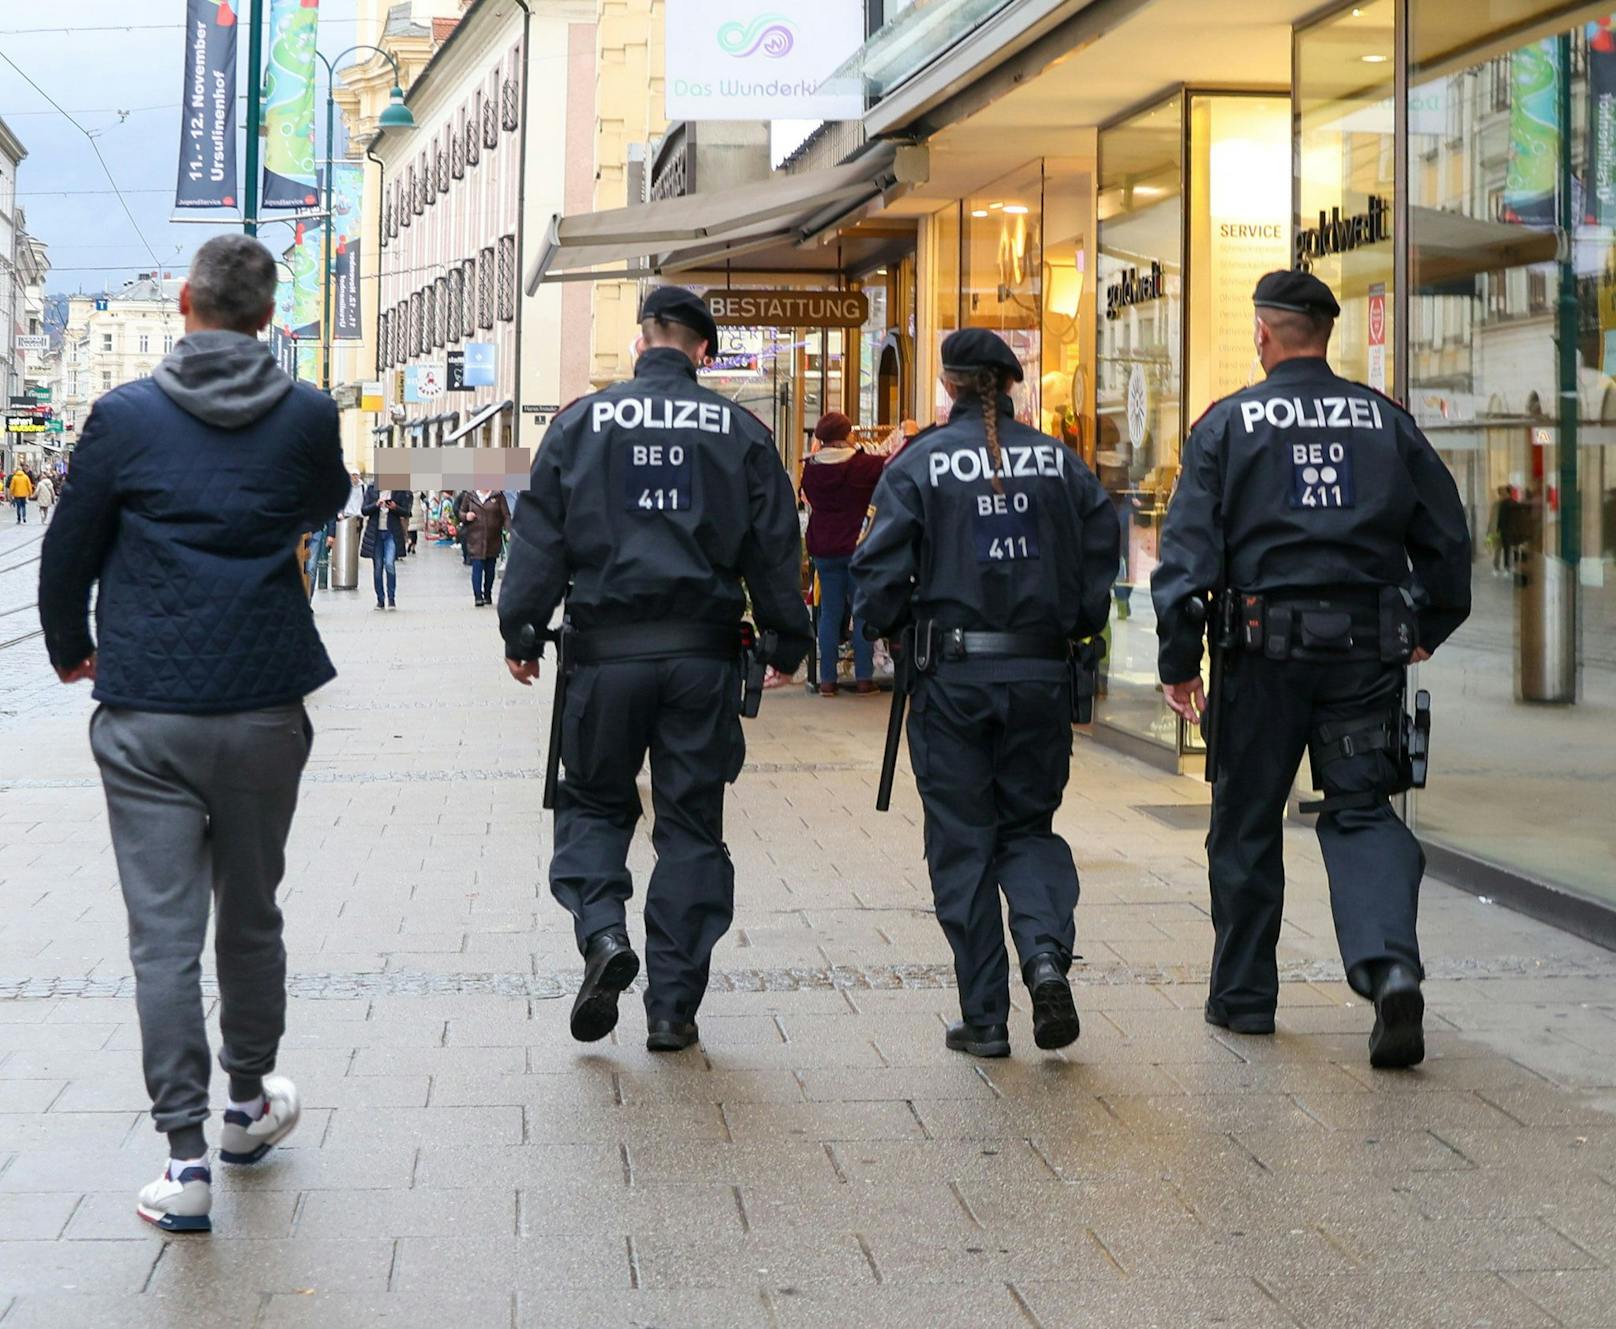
756 651
1084 666
1404 737
1399 626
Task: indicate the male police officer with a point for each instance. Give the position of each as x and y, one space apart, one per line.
650 503
1321 509
1002 547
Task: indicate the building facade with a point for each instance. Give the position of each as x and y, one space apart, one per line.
112 339
492 157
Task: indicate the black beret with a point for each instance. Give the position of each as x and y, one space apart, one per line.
977 348
674 304
1300 292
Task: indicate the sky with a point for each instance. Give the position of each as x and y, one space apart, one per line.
115 56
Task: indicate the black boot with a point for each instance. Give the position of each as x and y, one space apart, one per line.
670 1035
980 1040
1249 1023
1054 1013
1399 1036
609 967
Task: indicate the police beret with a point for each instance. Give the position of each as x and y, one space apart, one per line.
1300 292
674 304
977 348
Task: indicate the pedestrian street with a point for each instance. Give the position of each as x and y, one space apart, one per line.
820 1159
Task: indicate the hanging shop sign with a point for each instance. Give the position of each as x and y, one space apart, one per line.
1336 234
788 309
31 341
1132 289
763 59
207 172
25 424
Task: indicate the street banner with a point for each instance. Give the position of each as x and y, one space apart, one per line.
347 196
1534 134
289 167
307 294
207 172
1600 199
282 340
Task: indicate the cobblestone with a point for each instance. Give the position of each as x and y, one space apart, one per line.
820 1159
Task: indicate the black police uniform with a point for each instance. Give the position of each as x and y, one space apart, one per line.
650 504
1322 498
990 730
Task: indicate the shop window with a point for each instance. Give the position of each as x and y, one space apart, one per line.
1068 304
1001 261
1139 310
1501 394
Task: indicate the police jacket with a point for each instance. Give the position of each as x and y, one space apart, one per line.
1309 482
939 543
653 501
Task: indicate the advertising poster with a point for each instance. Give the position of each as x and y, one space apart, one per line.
1534 134
1600 202
282 338
480 362
1376 332
207 174
745 60
289 167
347 194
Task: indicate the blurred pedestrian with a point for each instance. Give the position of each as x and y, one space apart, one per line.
837 481
190 488
483 517
385 512
417 510
45 496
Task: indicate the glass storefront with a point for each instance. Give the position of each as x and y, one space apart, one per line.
1139 389
1001 264
1512 375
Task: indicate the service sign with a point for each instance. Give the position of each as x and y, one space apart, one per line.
29 341
746 60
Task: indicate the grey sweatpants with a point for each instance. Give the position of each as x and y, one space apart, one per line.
200 807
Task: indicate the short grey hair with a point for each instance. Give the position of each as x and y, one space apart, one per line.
232 281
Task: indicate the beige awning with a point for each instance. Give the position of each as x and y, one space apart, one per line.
698 229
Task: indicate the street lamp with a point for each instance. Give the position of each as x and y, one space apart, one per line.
396 116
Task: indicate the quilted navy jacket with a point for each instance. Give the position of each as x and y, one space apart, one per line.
190 527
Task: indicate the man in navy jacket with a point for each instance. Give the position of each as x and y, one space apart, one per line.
190 489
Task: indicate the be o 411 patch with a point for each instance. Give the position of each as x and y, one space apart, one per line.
1005 527
1321 475
656 477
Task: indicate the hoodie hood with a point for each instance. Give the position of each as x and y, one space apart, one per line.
225 379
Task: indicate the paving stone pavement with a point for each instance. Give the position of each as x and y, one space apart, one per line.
821 1160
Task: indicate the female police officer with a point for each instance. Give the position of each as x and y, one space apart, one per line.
1000 546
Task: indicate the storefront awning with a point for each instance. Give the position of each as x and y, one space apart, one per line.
481 417
701 229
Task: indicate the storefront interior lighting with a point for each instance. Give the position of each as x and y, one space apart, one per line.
1374 59
995 206
1016 209
979 212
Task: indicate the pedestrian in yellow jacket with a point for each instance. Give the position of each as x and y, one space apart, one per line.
21 489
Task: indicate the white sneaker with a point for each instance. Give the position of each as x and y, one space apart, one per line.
179 1204
244 1140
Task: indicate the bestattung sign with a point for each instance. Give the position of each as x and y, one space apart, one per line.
788 309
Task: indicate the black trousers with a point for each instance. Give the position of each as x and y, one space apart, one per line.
1372 859
991 762
685 713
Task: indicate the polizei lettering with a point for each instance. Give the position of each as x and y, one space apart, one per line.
1018 459
1311 413
660 413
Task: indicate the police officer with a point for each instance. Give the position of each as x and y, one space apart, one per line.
1001 547
1319 504
650 504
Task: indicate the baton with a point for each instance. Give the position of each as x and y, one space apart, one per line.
900 699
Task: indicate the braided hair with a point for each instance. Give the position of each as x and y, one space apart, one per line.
984 383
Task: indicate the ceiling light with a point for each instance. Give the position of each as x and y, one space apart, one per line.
1374 59
979 212
1016 209
995 206
1357 13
